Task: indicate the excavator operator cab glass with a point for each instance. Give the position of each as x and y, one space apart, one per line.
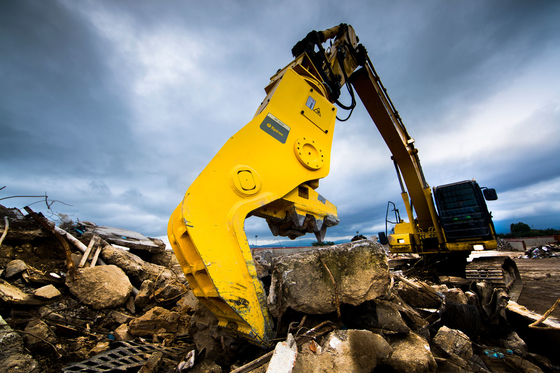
490 194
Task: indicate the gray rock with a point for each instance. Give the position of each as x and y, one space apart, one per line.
412 354
14 267
100 287
360 271
354 351
188 302
516 344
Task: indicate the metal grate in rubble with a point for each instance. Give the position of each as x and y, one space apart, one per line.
126 356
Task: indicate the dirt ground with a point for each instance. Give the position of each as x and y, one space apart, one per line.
541 284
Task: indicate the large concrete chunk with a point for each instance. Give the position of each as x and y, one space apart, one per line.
412 354
352 351
303 283
101 287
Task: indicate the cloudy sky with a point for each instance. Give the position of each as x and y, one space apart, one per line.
114 107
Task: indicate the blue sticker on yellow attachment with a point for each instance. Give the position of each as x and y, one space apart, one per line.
275 128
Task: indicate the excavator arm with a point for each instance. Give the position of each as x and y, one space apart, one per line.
271 169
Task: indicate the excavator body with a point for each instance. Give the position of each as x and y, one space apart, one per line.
271 169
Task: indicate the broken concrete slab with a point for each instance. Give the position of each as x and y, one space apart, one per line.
412 354
47 292
284 357
101 287
356 351
303 281
13 295
125 237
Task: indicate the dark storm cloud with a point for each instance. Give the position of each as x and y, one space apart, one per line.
116 106
59 106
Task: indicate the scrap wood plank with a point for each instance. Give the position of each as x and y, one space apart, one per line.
85 257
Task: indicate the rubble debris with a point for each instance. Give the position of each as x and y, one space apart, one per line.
540 252
124 237
205 333
21 227
301 282
38 334
504 245
137 269
122 334
345 310
13 295
358 351
13 357
454 343
157 320
377 315
101 287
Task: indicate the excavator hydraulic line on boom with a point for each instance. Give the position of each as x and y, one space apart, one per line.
271 169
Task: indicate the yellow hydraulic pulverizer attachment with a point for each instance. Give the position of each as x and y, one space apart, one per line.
270 169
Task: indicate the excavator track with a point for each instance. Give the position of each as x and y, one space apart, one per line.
500 271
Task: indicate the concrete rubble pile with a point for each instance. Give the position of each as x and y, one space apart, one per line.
126 307
539 252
